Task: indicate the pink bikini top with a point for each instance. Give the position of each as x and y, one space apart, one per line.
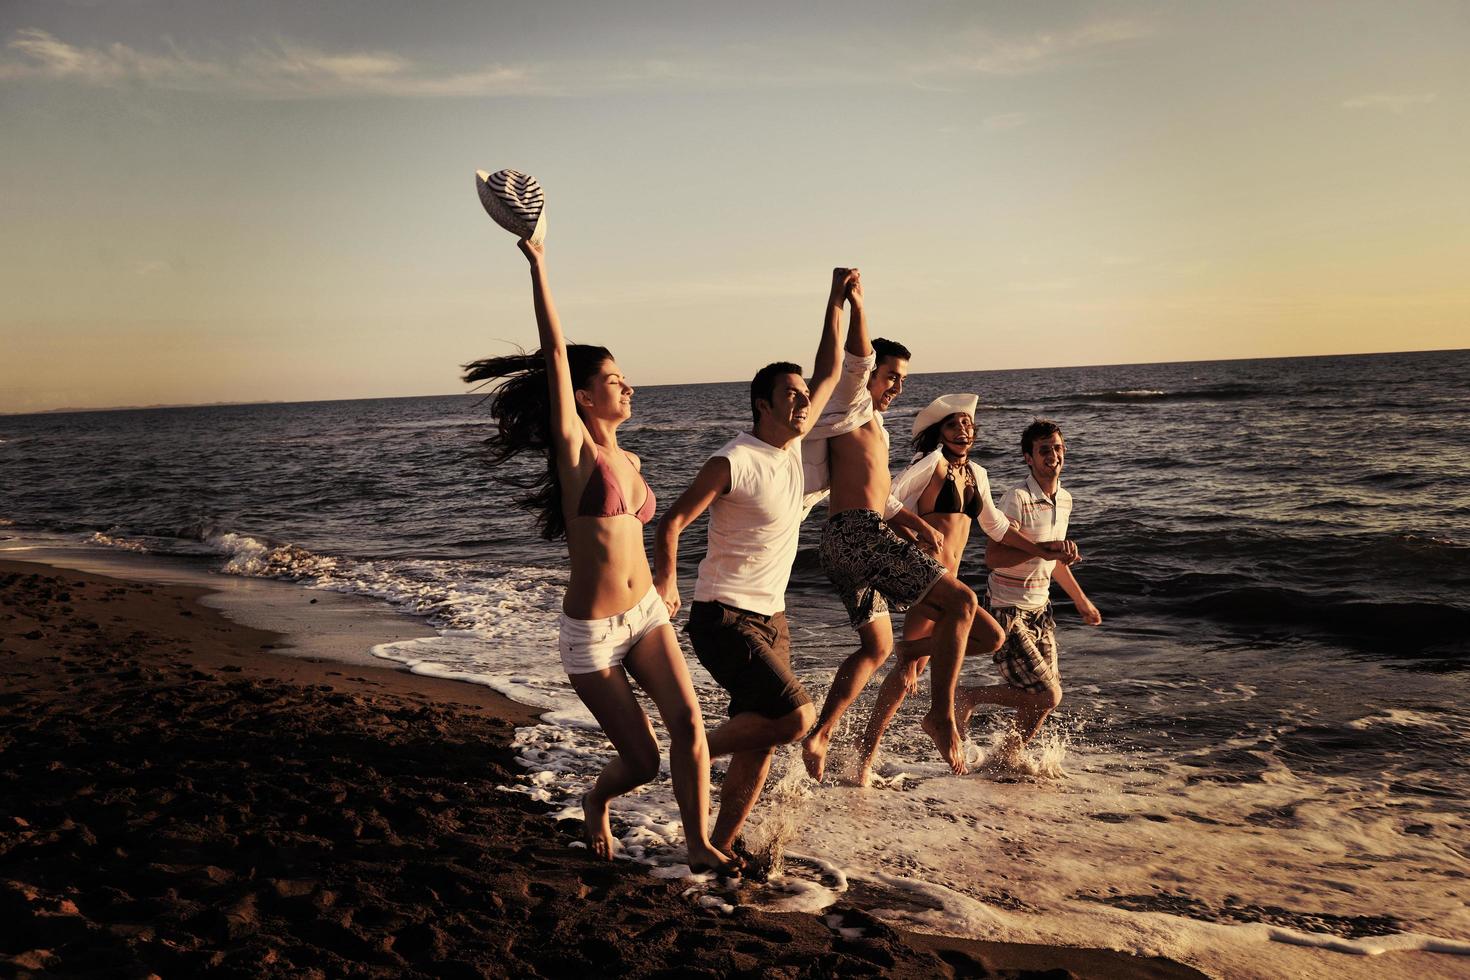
602 497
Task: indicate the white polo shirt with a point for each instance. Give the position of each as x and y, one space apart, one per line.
753 529
1028 585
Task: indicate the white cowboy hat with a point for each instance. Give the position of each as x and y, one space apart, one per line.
942 408
515 201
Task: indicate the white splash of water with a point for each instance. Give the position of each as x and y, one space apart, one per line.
119 543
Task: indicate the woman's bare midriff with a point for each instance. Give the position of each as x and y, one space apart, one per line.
956 531
610 572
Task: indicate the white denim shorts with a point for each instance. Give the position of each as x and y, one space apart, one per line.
590 645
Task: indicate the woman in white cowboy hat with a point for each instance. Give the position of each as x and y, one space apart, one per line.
950 492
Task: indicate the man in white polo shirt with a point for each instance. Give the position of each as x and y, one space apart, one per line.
1020 591
755 490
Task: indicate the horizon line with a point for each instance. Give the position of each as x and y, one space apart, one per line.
170 406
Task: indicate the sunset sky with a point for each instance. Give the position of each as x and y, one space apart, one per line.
210 201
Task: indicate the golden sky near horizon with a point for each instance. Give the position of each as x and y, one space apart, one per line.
277 203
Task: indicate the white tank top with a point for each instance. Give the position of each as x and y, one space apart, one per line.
753 529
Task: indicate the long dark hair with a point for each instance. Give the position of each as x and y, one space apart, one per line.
521 407
929 438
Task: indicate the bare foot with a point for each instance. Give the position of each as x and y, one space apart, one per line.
814 753
754 866
704 858
595 830
1009 756
860 771
860 775
964 707
947 739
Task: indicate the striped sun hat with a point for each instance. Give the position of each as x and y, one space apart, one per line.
515 201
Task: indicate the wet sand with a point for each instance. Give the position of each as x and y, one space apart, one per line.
177 797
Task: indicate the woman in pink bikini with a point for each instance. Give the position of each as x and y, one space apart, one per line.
568 401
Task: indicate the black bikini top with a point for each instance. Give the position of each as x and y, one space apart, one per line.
949 499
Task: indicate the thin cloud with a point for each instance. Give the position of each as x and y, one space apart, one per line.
282 70
998 123
289 70
1395 102
153 267
926 85
285 69
775 286
1044 286
988 54
1003 121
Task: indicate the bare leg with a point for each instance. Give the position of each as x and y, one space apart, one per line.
1030 718
744 779
749 731
965 700
852 677
749 739
659 667
896 686
891 696
608 695
1031 708
985 637
953 607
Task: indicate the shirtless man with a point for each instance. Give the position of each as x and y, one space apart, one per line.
754 488
874 568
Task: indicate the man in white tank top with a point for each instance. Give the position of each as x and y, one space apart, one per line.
754 489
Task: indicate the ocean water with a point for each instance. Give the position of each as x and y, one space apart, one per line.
1261 748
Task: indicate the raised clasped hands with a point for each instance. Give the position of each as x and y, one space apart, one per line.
847 285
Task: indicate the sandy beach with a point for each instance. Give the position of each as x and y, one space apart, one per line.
362 366
182 799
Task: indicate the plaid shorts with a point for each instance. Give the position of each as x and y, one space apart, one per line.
1028 657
